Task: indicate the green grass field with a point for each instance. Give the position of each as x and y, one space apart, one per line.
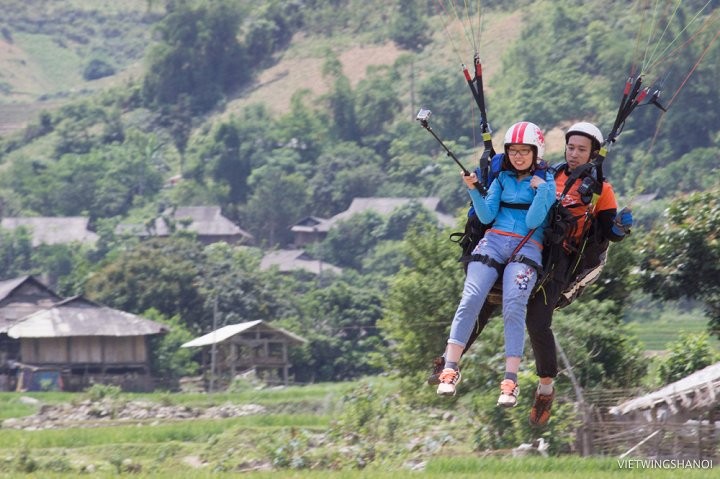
657 334
478 467
295 432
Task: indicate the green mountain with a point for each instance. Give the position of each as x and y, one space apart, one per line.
115 99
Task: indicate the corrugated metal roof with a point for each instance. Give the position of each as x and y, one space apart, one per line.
15 305
8 286
220 335
706 381
79 317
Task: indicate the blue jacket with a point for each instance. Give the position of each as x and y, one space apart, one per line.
506 188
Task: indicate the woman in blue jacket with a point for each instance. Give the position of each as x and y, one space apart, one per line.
517 205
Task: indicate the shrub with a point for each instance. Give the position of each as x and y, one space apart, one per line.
97 69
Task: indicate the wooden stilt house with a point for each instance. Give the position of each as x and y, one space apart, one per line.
85 343
246 346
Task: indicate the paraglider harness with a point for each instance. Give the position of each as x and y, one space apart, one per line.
475 230
586 251
587 256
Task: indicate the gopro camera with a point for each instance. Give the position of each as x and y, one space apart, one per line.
423 115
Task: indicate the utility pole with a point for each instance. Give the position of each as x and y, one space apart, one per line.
412 90
213 347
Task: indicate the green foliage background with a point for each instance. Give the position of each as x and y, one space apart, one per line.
109 152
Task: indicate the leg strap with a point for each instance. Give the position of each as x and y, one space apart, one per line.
521 258
485 259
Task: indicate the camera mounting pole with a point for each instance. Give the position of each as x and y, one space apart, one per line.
423 117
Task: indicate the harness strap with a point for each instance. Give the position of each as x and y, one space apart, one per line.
515 206
521 258
485 259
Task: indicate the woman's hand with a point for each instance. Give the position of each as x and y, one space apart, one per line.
469 180
536 181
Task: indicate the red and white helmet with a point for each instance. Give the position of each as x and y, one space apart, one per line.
588 130
526 133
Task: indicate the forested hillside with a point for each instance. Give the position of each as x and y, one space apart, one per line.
279 110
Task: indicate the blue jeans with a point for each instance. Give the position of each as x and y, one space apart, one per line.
518 282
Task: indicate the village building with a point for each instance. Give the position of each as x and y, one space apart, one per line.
250 346
50 342
53 230
312 229
19 297
207 222
287 260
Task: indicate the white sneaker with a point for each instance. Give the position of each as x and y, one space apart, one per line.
509 391
448 380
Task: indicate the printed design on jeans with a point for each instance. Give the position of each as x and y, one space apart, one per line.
523 278
478 248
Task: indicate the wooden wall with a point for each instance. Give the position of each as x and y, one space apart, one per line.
84 350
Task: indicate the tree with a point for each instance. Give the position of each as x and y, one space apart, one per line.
342 108
64 266
615 282
198 56
347 243
271 30
230 166
132 173
690 353
15 252
233 286
599 346
447 96
96 69
177 118
405 218
106 181
278 200
420 304
377 100
167 359
159 273
341 99
676 177
344 171
306 128
681 258
341 328
409 28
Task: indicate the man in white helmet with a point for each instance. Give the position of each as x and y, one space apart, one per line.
582 144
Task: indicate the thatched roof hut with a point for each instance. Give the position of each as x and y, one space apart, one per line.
690 396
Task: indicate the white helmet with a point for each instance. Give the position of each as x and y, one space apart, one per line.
526 133
587 130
